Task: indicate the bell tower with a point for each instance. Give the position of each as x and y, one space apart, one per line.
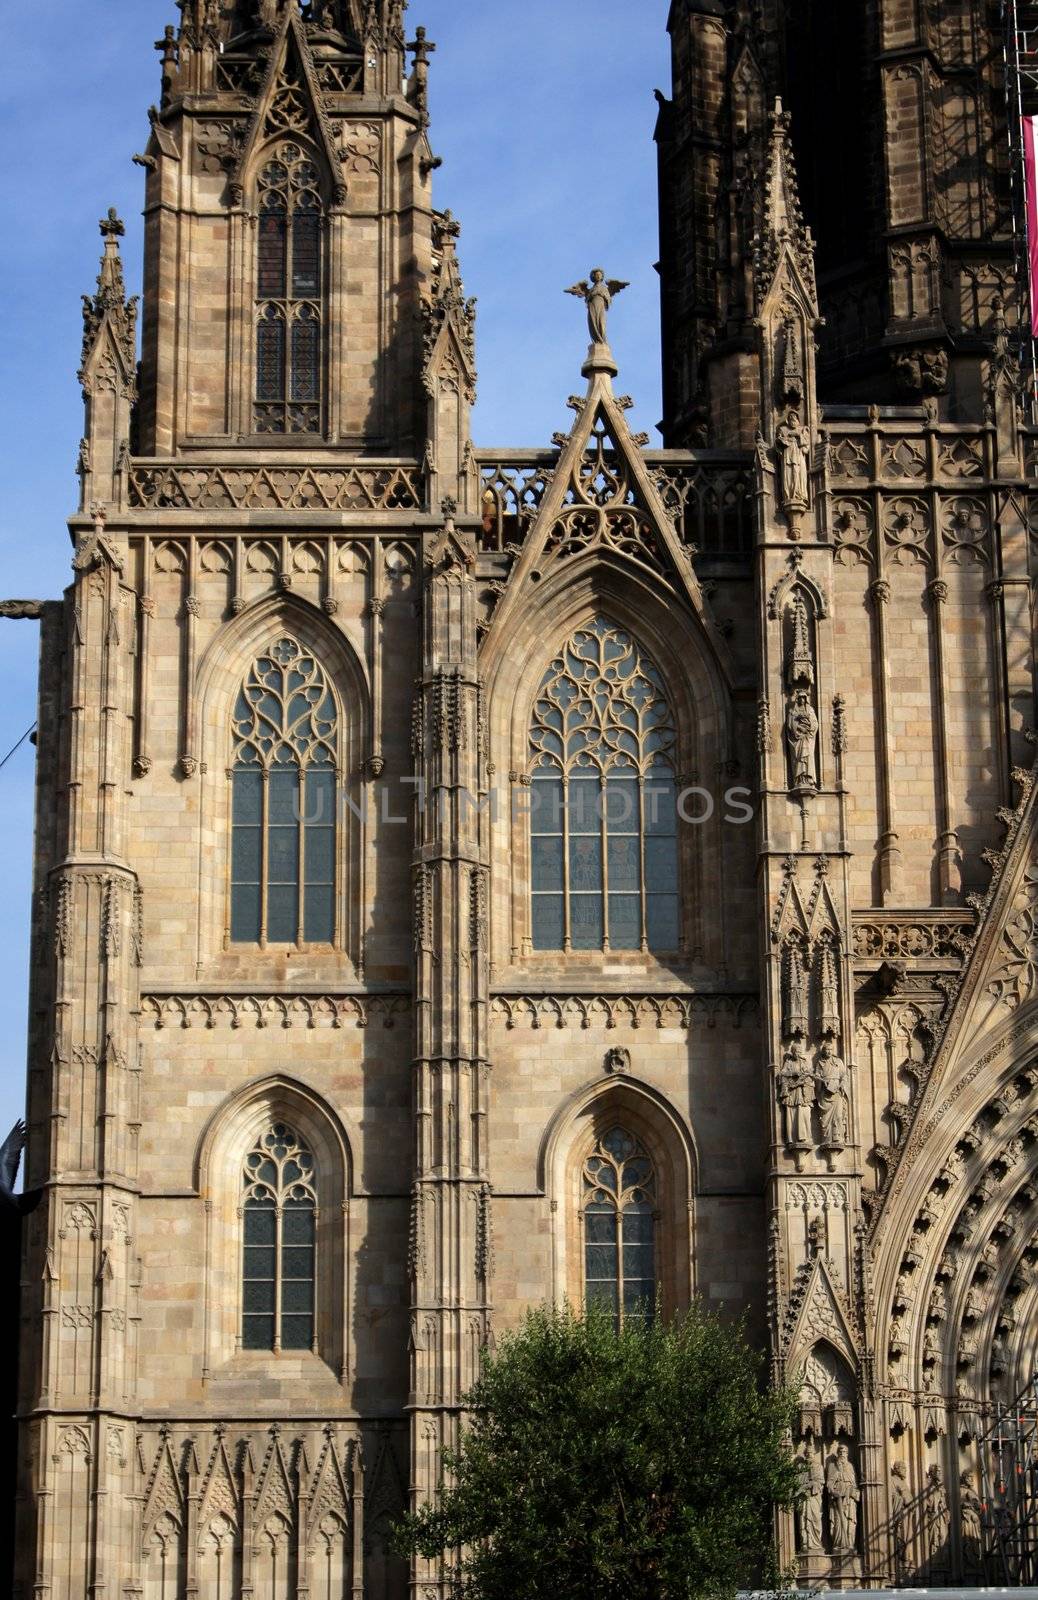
907 116
288 230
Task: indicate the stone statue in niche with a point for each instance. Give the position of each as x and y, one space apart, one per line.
833 1084
970 1511
936 1517
793 442
809 1502
841 1482
802 737
796 1093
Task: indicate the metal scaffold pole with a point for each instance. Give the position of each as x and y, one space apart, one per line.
1009 1489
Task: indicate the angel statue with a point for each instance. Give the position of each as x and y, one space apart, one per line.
10 1157
598 297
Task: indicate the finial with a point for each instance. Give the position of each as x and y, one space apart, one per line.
111 226
422 46
449 226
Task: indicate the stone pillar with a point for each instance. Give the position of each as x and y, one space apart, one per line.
450 1232
80 1261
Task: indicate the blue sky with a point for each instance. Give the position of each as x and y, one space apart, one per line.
543 113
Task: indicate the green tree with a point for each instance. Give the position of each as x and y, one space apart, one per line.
639 1464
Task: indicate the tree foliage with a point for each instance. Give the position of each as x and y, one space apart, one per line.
601 1465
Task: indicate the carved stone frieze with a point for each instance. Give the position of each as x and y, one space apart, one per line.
565 1010
272 1010
922 938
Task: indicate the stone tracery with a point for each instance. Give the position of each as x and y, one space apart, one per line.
603 819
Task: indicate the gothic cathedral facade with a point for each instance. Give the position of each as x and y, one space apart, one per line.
468 878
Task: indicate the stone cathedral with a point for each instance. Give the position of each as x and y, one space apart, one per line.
472 877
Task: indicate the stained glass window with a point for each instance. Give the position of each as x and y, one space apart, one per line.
284 833
289 345
279 1233
619 1216
603 809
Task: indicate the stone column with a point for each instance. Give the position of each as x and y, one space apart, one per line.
450 1234
84 1097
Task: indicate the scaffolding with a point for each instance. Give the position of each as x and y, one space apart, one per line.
1020 73
1009 1491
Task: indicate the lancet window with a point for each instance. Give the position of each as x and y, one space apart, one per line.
603 809
619 1220
279 1208
289 292
284 831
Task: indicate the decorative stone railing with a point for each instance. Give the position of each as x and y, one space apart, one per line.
709 494
236 486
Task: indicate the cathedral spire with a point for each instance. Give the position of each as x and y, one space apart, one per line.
108 307
107 372
782 223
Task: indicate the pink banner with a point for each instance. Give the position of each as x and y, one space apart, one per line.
1031 202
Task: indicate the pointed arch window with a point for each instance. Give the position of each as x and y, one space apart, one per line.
279 1207
604 868
284 826
289 294
618 1211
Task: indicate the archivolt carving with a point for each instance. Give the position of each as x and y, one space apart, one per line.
968 1260
998 861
